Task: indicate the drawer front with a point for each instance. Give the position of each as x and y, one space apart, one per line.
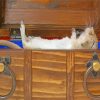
93 83
49 75
17 66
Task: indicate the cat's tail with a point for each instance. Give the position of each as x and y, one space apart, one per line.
22 30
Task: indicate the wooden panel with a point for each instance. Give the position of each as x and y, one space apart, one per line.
54 4
49 75
97 8
70 75
17 66
2 7
69 13
67 18
28 75
81 58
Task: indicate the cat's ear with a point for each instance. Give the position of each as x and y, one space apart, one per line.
92 31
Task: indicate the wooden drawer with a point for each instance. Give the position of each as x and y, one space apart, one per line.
39 75
49 75
19 67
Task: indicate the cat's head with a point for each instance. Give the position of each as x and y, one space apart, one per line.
84 38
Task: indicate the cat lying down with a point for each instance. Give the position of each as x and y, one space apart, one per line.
80 39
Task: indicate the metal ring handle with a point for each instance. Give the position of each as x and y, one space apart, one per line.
90 69
8 72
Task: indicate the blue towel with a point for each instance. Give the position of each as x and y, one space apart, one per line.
18 42
98 45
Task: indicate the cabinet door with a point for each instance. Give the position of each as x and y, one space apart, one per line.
17 66
49 78
2 11
93 82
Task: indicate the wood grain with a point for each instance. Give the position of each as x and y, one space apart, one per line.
28 75
17 66
48 75
2 7
71 4
69 13
81 58
70 75
67 18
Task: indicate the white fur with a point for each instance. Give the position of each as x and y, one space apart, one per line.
64 43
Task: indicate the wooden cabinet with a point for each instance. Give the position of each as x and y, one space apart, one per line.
49 75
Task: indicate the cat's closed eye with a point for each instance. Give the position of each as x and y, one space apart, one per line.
84 44
91 33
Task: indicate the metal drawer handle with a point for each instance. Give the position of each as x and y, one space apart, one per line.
7 71
93 68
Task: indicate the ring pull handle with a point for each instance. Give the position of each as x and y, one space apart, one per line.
93 68
5 70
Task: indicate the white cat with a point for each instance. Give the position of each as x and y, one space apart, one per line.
79 40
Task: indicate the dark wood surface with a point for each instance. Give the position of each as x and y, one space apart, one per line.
2 11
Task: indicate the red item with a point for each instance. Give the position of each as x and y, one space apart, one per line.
5 38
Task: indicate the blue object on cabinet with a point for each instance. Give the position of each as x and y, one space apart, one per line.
18 42
98 45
